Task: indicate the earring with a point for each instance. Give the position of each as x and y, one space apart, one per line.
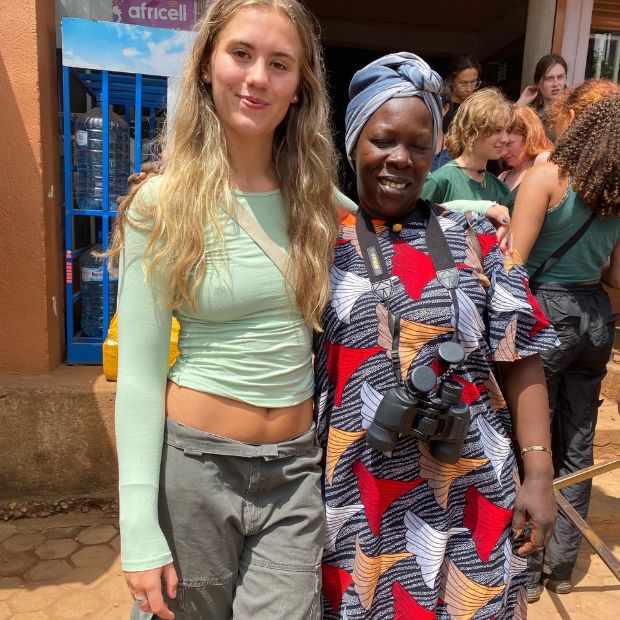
295 99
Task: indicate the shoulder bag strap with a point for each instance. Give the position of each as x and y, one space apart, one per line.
555 257
271 249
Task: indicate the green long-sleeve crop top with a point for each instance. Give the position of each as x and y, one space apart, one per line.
246 340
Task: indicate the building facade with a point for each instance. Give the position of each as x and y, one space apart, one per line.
508 37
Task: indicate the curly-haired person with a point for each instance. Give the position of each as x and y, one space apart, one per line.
580 182
478 133
569 106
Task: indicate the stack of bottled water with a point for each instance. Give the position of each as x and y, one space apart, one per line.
89 159
91 287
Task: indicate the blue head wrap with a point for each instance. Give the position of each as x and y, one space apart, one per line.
395 75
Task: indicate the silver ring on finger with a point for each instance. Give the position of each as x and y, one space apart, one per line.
140 598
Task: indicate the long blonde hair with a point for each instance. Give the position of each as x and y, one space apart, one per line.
195 185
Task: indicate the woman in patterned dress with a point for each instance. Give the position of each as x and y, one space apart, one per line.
409 536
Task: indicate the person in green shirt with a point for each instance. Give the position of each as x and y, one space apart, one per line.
478 133
221 511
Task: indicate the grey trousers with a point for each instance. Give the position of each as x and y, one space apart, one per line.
245 526
584 323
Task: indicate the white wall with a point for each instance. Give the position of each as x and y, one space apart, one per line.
576 38
538 36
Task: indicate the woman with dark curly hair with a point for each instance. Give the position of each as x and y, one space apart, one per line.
580 184
569 106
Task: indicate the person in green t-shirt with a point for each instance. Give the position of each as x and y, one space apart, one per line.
478 133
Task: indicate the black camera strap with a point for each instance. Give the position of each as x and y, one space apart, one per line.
381 279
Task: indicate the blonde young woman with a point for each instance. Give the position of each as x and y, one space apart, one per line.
227 516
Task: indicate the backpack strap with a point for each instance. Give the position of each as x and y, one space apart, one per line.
555 257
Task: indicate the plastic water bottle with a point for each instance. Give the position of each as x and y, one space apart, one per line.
89 151
91 287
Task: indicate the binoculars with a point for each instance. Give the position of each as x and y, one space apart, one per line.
440 419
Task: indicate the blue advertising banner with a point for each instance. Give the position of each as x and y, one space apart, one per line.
126 48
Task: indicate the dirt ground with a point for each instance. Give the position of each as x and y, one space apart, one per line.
596 592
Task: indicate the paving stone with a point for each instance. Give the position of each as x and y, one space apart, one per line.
77 606
23 542
56 549
96 555
97 534
34 600
9 586
16 563
47 570
62 532
84 578
5 612
6 531
115 543
114 589
116 611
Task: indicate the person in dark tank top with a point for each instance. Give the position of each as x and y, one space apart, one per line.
580 183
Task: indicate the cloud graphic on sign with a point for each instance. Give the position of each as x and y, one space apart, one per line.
130 52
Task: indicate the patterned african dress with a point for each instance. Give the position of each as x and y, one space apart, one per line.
408 536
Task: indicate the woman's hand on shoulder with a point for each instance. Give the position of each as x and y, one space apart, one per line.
535 504
499 216
146 586
149 167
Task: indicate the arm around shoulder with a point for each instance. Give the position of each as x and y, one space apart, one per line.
345 204
476 206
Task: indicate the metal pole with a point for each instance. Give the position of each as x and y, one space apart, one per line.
585 474
589 534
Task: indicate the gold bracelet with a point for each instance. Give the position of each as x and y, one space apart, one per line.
536 449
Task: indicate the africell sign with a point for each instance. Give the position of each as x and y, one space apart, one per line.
179 14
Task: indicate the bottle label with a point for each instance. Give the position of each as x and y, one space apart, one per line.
95 274
81 137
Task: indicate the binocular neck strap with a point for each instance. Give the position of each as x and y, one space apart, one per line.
443 262
380 276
